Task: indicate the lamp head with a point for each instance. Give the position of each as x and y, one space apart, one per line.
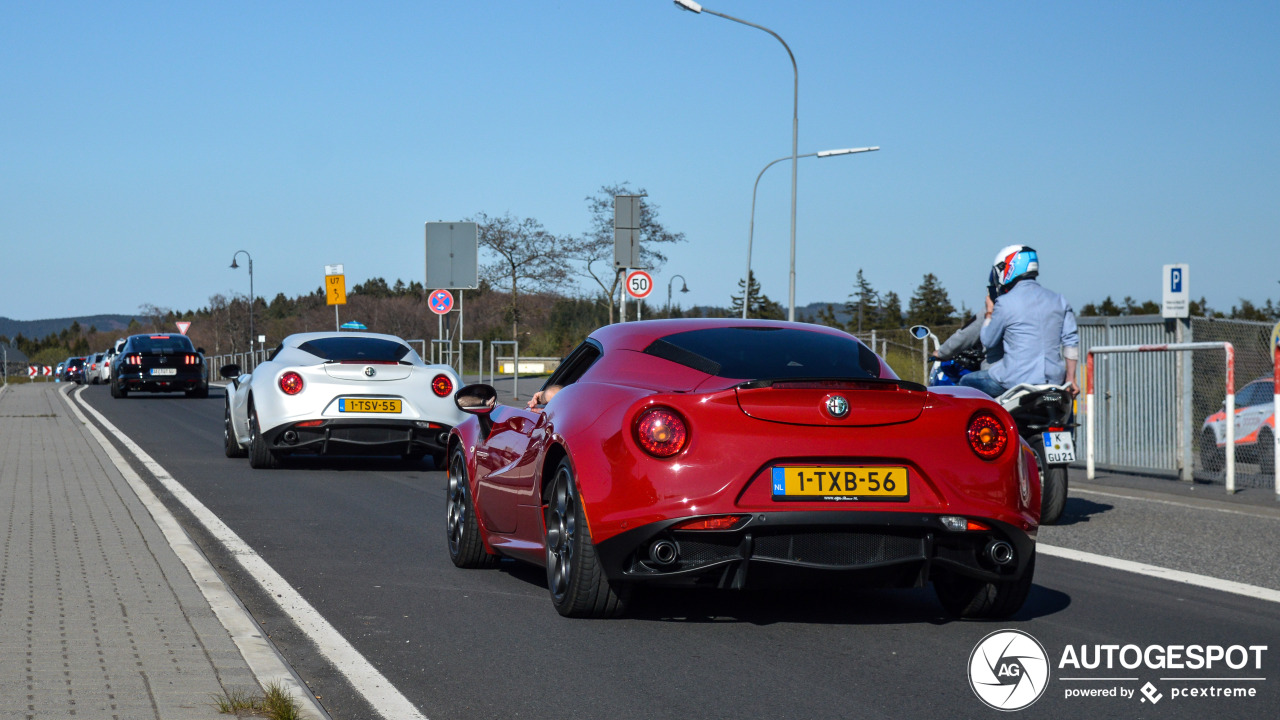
233 263
689 5
684 288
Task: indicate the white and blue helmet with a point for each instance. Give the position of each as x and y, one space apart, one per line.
1013 263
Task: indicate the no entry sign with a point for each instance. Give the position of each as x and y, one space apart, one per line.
441 301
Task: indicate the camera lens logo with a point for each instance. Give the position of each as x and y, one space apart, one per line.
1008 670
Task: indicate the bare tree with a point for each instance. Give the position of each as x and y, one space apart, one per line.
156 316
523 253
595 249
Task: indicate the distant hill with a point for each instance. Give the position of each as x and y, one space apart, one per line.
36 329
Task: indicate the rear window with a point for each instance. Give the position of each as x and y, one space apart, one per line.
337 349
75 362
161 343
753 353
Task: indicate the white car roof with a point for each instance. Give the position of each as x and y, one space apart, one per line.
299 338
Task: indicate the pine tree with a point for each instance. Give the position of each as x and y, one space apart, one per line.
864 304
760 307
930 304
890 312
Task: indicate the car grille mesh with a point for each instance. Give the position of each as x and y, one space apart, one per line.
838 549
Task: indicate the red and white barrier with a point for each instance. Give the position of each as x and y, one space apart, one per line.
1171 347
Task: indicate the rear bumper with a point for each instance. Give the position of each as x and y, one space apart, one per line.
885 549
355 436
142 382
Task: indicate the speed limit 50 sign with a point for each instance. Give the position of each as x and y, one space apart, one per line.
639 284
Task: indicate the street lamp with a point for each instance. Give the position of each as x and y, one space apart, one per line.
694 7
684 288
746 292
233 267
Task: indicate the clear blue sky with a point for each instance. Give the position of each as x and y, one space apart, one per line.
141 144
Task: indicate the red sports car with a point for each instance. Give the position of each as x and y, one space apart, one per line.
714 452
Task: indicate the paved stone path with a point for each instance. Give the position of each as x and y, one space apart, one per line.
98 616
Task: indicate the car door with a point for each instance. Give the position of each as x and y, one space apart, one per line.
507 464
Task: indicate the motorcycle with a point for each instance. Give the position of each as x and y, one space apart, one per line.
1044 414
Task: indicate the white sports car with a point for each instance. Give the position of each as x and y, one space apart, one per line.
340 393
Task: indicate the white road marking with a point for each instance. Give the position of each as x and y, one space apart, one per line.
372 685
1155 571
259 654
1158 501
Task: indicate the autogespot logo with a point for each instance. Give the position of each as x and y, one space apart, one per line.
1008 670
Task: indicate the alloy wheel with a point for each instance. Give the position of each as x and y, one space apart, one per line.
561 534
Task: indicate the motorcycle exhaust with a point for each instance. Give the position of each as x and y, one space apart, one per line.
663 552
999 552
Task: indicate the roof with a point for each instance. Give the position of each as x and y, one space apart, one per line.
637 335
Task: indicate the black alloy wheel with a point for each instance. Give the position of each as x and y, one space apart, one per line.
466 548
261 457
1212 457
575 578
230 446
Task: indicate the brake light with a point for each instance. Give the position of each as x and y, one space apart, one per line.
441 385
191 360
310 423
987 436
291 383
661 432
724 522
134 359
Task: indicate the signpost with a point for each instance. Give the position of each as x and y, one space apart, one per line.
183 326
441 302
1176 306
452 264
1176 291
32 370
626 242
335 289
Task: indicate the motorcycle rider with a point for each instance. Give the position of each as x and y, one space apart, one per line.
1034 326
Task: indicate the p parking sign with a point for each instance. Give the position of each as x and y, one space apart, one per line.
1176 292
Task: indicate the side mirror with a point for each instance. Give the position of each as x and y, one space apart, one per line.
230 372
476 399
919 332
200 350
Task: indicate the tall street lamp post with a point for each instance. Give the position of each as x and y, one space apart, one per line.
684 288
694 7
746 293
233 267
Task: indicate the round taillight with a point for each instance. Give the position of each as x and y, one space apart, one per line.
661 432
987 436
441 385
291 383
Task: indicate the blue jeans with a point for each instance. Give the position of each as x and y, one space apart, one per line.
982 381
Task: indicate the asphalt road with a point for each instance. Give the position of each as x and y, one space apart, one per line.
363 541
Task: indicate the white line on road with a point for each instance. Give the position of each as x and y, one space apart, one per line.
372 685
1193 506
1155 571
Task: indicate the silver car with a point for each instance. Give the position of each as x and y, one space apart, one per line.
340 393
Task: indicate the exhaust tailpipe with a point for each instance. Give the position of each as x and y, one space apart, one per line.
290 437
999 552
663 552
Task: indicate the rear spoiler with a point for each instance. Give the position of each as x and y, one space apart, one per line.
835 383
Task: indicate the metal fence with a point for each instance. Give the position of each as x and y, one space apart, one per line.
1152 408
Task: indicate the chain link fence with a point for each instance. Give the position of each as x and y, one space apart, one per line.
1254 363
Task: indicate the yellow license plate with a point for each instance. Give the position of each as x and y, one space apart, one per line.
825 482
368 405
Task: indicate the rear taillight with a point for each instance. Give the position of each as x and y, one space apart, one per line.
661 432
191 360
134 359
441 385
724 522
987 436
291 383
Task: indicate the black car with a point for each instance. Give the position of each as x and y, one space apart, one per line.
159 363
73 370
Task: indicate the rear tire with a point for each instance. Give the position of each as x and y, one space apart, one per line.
578 585
1267 452
118 391
260 456
230 446
1053 488
967 597
1212 457
462 530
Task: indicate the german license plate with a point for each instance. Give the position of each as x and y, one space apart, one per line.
823 482
164 371
368 405
1059 448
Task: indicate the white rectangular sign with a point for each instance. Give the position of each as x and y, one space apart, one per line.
333 269
1176 295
